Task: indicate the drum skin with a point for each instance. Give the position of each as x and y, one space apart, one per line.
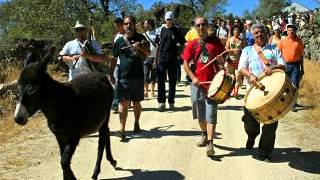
221 86
271 104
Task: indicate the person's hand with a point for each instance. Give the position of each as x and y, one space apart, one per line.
268 70
84 54
75 58
195 81
220 59
253 78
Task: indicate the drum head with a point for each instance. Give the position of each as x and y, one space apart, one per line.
216 82
255 98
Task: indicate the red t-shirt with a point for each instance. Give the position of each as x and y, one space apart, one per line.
214 47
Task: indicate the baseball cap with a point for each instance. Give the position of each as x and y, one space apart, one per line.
169 15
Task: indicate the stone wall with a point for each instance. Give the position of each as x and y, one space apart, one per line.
310 35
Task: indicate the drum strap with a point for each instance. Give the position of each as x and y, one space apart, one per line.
261 56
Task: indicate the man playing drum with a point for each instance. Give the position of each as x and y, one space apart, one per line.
203 108
255 60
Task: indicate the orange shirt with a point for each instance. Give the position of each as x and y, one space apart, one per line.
292 49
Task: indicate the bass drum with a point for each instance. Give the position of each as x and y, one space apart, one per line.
275 101
221 86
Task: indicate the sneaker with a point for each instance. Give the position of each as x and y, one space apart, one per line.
210 152
161 107
250 143
115 108
171 107
202 142
294 109
136 128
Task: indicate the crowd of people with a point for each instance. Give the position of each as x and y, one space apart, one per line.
154 57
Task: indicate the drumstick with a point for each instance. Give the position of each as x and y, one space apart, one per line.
206 82
213 60
260 86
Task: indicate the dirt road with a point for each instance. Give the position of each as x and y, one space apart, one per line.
166 149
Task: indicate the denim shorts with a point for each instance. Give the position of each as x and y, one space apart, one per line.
149 71
203 108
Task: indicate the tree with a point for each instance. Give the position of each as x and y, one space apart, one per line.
248 15
52 19
267 8
207 7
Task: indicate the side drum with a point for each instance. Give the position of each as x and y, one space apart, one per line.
275 101
221 86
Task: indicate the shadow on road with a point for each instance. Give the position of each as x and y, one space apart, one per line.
158 132
148 175
234 108
304 161
177 109
154 133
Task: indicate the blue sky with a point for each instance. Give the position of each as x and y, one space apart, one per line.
238 6
235 6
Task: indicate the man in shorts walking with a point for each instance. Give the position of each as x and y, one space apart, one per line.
203 108
132 49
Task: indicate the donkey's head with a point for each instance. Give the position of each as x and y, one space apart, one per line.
30 83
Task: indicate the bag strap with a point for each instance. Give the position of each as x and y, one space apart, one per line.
262 58
149 39
129 45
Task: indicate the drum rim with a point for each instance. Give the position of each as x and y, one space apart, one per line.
252 86
224 74
222 100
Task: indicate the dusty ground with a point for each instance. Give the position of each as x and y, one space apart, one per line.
166 149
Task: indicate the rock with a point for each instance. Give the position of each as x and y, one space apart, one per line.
10 86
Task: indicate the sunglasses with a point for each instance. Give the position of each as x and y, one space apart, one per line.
201 24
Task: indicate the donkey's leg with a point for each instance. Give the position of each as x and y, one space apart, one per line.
101 144
108 149
66 157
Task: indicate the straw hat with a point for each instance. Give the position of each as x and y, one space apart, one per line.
79 25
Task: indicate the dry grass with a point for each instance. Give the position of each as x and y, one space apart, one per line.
310 91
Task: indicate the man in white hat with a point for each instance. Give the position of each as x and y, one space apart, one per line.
168 39
75 55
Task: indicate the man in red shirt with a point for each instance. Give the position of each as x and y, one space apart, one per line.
203 108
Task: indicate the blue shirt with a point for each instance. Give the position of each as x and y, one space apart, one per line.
249 38
250 60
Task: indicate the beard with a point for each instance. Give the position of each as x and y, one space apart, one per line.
129 31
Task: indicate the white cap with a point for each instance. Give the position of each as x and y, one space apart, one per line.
169 15
248 22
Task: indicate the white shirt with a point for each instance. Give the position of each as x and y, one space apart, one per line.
78 67
250 60
152 36
222 33
115 39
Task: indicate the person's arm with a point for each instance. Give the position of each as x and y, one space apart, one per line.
65 55
227 44
270 40
187 55
98 57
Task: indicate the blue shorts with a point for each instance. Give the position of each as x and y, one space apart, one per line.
203 108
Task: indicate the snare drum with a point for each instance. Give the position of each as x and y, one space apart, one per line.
221 86
275 101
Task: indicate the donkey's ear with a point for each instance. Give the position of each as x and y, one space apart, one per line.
31 55
45 60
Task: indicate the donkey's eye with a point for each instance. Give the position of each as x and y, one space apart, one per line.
31 90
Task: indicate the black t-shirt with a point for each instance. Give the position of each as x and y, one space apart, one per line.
131 65
168 39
